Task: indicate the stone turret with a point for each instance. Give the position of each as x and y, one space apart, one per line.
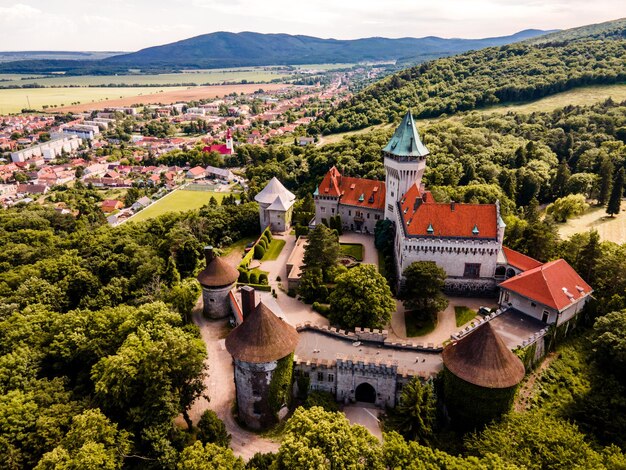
262 348
217 279
405 162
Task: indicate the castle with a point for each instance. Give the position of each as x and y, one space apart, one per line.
464 239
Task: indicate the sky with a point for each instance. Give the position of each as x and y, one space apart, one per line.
128 25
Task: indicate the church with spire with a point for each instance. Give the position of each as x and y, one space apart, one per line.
464 239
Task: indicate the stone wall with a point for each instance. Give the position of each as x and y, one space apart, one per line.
216 302
252 383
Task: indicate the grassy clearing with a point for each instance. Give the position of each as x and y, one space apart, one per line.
609 229
178 201
166 79
273 250
463 315
334 138
418 326
352 249
579 96
14 100
238 246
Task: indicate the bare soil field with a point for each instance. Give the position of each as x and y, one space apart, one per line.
167 97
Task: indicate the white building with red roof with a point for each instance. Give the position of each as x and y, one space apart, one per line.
464 239
552 292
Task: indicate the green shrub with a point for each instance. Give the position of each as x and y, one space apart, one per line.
259 252
212 430
291 292
321 308
263 278
243 275
324 399
302 231
268 234
263 243
254 278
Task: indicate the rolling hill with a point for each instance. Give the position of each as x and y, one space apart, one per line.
222 49
524 71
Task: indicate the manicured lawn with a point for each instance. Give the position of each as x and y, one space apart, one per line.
416 326
177 201
239 245
463 315
352 249
272 252
381 264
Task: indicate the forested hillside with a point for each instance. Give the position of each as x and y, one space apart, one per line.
512 73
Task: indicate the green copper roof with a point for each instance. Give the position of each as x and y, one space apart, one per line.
406 140
430 228
475 230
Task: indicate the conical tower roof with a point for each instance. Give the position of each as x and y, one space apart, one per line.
481 358
272 190
218 272
262 337
406 141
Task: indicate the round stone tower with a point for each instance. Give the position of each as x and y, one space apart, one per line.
262 348
217 279
480 377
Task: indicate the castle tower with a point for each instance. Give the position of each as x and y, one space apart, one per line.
405 162
262 348
481 375
217 279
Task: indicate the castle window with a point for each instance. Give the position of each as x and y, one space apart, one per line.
331 378
333 210
256 407
350 213
322 209
472 270
376 216
320 376
368 215
390 207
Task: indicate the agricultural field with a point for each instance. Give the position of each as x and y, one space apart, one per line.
16 99
205 77
178 201
609 229
170 95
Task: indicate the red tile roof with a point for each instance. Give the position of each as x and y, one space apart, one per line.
219 148
358 192
554 284
430 218
518 260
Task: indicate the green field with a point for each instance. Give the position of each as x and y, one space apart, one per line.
273 250
463 315
177 201
352 249
583 96
417 325
198 78
16 99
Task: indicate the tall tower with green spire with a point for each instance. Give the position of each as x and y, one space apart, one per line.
405 162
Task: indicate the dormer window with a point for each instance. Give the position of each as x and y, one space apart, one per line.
362 198
430 229
475 230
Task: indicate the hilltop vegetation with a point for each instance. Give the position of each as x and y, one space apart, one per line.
223 49
511 73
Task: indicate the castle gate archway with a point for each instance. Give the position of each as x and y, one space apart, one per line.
365 393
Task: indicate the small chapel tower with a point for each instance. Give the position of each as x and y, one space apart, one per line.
229 141
405 162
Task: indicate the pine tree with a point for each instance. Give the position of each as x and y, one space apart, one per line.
615 201
606 179
588 257
559 185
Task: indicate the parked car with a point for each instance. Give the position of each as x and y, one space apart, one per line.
484 311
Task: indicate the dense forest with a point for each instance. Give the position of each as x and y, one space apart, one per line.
512 73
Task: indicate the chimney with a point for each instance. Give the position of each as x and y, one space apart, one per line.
248 301
209 255
424 197
452 206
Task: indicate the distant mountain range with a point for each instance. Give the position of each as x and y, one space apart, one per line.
222 49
